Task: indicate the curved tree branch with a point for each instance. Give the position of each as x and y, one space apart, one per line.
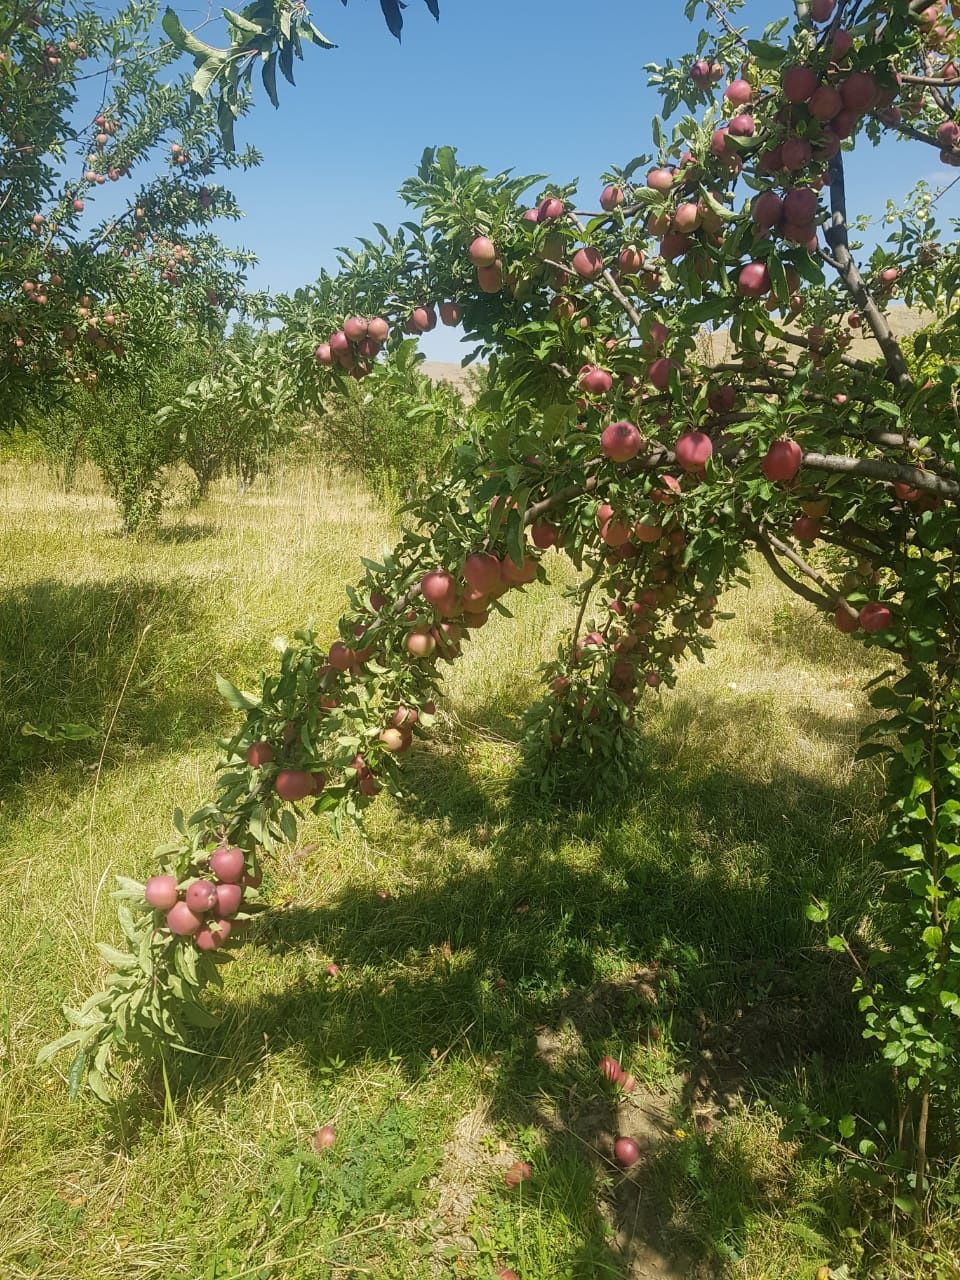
779 572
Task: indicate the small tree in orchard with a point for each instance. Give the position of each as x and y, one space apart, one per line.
106 175
230 417
608 435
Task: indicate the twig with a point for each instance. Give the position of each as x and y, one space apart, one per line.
718 11
106 739
587 591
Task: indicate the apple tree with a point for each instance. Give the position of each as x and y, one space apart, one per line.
671 393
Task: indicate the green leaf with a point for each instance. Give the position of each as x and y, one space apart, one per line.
242 701
288 825
285 61
269 76
847 1126
767 55
183 39
119 959
58 732
932 937
205 75
57 1046
309 32
244 24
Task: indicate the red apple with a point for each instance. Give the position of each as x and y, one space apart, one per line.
161 892
229 897
228 864
659 373
610 198
739 92
544 534
293 784
324 1138
550 209
626 1152
588 263
767 210
660 179
201 896
420 642
693 450
845 621
799 84
483 252
621 441
481 571
782 460
440 589
875 617
754 280
594 380
611 1070
182 921
518 1172
806 528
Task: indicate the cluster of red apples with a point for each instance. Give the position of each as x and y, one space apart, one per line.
204 908
354 347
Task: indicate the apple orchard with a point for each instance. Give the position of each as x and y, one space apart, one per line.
609 432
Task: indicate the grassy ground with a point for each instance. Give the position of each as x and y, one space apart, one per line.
516 944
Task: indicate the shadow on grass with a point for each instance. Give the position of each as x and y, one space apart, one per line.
676 918
176 534
66 652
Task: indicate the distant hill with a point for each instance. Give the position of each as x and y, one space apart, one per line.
441 371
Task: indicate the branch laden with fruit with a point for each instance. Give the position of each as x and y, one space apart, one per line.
670 387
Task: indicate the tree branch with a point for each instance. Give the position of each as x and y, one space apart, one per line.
876 469
788 580
852 279
918 135
936 81
834 597
796 340
587 591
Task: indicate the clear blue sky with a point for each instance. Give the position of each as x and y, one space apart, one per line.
549 86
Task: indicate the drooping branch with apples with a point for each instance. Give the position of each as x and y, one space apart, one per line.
669 388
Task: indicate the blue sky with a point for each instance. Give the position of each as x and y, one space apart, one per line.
549 86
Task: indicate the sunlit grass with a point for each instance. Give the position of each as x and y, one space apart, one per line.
517 944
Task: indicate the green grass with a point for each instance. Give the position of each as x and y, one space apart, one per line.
518 942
